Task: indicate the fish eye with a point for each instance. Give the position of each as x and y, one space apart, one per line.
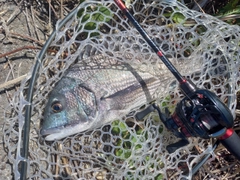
56 107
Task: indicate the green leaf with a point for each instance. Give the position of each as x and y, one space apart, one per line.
178 17
106 12
93 17
119 152
119 142
160 130
127 154
115 123
115 130
138 146
90 26
229 7
122 126
159 177
127 145
139 131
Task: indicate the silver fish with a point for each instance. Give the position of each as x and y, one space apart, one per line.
93 92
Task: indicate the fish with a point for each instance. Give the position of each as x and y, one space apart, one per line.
93 92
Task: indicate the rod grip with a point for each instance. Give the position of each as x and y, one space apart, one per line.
232 142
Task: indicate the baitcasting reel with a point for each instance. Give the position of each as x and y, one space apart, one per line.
199 114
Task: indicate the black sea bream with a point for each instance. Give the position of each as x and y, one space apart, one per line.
95 91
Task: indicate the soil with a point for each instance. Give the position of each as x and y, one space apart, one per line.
11 66
24 27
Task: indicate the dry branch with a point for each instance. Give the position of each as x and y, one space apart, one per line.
18 49
12 82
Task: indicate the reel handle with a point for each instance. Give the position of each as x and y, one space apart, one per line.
232 142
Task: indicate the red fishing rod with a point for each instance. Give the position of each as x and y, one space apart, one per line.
200 114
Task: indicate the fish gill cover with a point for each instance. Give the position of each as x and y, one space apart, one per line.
97 37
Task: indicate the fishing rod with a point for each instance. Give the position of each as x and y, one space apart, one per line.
199 114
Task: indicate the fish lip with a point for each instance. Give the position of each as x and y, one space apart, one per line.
62 132
45 132
55 130
52 134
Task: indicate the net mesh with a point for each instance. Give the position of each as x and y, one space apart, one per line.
201 47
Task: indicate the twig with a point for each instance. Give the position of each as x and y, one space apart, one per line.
50 5
229 17
12 82
34 22
11 69
3 12
16 12
61 9
28 23
67 168
199 5
237 111
18 49
27 37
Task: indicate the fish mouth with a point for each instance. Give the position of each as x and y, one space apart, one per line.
58 133
45 132
51 134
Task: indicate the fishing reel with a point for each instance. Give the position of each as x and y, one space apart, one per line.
199 114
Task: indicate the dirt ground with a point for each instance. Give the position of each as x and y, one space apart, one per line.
24 27
11 66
